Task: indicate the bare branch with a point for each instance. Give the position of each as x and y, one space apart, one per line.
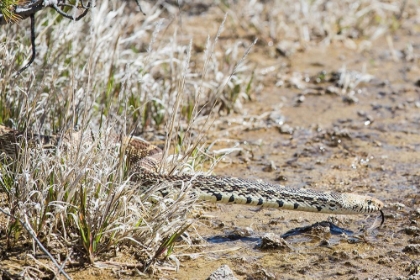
82 15
33 46
30 8
25 11
138 5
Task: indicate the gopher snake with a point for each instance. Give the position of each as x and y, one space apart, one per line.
144 159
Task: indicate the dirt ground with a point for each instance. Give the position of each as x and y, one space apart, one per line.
303 130
364 141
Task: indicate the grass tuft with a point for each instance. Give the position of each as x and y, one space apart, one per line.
77 197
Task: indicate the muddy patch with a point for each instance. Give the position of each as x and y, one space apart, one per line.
362 140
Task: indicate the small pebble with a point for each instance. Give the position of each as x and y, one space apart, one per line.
271 241
222 273
412 249
412 230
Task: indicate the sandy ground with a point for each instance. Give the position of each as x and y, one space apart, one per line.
312 133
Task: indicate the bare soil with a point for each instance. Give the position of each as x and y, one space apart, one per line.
314 134
364 141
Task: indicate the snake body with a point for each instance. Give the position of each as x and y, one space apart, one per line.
144 159
231 190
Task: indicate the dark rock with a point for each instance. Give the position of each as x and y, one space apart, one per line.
413 230
412 249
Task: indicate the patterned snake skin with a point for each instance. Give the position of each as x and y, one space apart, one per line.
144 160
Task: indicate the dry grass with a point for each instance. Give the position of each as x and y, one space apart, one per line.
118 71
309 22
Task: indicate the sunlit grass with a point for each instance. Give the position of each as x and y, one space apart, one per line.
119 72
78 195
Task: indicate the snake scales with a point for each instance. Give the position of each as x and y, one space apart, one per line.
144 159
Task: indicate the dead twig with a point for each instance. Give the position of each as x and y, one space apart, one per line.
32 7
33 47
33 235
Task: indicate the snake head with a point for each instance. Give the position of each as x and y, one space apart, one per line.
363 203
